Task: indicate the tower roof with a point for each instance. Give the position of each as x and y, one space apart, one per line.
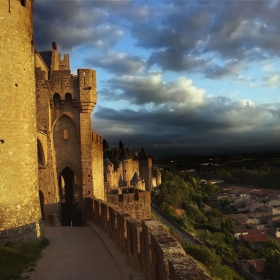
107 162
47 57
136 178
124 155
142 153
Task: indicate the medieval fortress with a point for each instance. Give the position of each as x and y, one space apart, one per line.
51 161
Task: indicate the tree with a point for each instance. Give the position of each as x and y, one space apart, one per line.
244 252
120 145
105 145
228 224
272 244
113 154
227 273
207 256
226 253
272 265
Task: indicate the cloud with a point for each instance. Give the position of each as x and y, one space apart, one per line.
152 90
272 80
118 63
172 59
248 81
230 68
268 66
230 30
181 35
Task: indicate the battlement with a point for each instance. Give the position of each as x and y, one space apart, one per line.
134 202
148 246
56 62
14 6
96 138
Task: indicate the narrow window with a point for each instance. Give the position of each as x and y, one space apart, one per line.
65 134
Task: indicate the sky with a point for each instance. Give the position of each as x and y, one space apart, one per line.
177 77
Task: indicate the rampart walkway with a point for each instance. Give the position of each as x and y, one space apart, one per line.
80 253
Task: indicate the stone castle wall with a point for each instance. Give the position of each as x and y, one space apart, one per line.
121 174
137 204
149 248
19 194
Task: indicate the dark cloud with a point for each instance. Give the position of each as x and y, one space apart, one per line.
177 32
219 126
174 60
74 23
242 30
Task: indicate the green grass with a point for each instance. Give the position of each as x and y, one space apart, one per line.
15 259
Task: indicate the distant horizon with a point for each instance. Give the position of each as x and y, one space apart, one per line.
170 154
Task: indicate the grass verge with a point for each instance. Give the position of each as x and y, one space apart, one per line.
14 259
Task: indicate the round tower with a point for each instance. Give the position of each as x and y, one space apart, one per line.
20 214
127 168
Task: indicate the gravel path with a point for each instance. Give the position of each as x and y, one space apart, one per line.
76 253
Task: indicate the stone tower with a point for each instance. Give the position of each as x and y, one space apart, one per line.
71 154
145 168
19 194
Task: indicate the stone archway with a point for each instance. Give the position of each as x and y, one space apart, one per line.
70 210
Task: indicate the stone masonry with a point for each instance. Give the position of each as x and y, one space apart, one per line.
20 215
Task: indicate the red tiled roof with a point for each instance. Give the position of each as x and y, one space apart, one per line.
259 192
259 237
240 229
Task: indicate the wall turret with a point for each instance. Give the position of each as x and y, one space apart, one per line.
86 87
20 214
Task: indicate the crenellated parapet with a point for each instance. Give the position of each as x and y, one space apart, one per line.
148 246
97 139
135 202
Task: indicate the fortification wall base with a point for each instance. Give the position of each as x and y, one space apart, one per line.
25 233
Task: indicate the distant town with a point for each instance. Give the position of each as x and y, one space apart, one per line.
232 207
